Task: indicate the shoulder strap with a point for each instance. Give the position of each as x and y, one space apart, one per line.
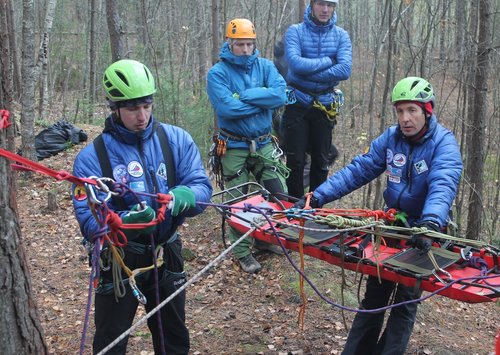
167 155
102 155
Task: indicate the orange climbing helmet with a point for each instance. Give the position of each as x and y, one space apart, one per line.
240 28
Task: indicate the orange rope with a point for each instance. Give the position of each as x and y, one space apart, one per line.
302 308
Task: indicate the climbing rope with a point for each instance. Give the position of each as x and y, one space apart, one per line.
110 224
187 284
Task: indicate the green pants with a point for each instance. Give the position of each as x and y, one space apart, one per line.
237 165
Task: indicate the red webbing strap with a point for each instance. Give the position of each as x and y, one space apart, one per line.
39 168
4 119
388 215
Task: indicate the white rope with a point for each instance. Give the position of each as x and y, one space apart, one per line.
188 283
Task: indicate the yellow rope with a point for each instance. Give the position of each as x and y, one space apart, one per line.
331 112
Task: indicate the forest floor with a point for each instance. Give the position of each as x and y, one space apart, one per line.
228 311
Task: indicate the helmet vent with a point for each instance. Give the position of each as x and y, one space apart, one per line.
115 93
122 78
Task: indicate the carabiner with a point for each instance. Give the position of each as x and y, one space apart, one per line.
91 190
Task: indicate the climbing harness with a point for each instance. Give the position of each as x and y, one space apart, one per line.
217 150
335 107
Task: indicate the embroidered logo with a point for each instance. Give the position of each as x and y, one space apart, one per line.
162 171
399 159
135 169
394 171
395 179
388 156
421 167
137 186
79 193
120 173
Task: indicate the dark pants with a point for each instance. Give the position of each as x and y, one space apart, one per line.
303 129
364 335
113 318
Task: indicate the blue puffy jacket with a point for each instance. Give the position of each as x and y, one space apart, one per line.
318 58
137 161
244 91
422 178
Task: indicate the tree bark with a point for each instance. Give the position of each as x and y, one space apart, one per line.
115 30
92 60
16 74
28 71
43 58
475 151
215 31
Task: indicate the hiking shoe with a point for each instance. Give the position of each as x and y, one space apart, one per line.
272 248
249 264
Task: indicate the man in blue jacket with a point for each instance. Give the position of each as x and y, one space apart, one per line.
423 165
244 91
319 55
130 150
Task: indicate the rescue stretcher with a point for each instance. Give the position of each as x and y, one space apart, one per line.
459 269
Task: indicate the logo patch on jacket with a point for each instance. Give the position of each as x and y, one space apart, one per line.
79 193
421 167
162 171
399 159
137 186
120 173
388 156
135 169
392 171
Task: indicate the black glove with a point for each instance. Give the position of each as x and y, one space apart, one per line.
430 225
313 203
421 242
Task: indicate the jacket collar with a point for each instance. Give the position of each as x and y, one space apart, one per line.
308 20
122 134
244 61
431 127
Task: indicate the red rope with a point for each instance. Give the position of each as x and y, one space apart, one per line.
116 235
388 215
4 119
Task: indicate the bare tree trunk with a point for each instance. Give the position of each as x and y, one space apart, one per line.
379 43
20 328
201 54
43 57
302 9
460 29
475 151
115 30
92 61
29 81
215 31
16 76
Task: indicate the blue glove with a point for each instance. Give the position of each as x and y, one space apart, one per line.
183 199
140 214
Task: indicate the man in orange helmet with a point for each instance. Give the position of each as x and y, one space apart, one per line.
244 91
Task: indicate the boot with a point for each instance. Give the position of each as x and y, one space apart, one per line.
272 248
249 264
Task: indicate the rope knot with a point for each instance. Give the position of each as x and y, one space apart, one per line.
478 263
114 221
